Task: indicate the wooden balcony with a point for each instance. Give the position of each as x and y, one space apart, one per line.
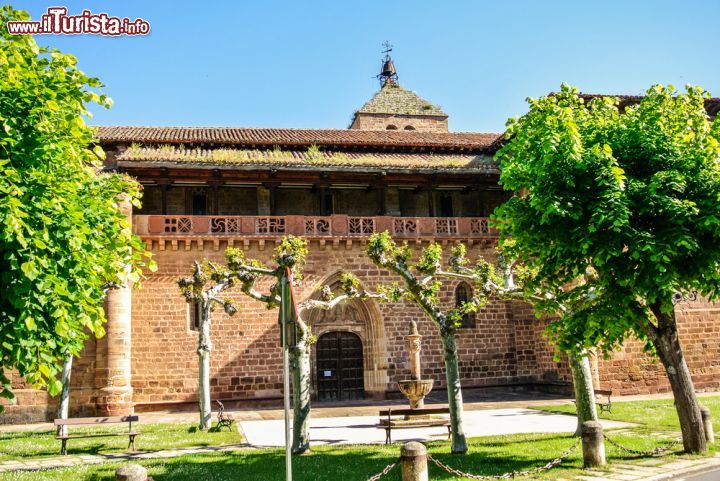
320 227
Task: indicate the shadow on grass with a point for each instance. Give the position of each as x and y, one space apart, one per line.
349 463
42 444
330 463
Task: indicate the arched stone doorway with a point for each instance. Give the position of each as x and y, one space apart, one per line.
362 319
339 367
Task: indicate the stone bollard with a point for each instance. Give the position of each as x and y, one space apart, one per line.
707 423
413 459
131 472
593 444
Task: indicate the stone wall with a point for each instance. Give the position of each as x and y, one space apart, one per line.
633 371
35 405
429 123
246 355
505 347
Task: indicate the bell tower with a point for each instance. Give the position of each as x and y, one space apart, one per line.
394 108
388 74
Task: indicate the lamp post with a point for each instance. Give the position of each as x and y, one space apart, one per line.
288 315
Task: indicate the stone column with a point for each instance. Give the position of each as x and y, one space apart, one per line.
413 462
707 424
115 393
131 472
593 444
414 345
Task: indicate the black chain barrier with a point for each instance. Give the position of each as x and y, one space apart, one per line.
652 452
527 472
511 474
382 473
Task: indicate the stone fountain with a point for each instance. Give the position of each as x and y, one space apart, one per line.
415 389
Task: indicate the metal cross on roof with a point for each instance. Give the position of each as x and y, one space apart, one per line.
388 49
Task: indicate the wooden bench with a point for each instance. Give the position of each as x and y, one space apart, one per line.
604 406
422 419
64 436
224 420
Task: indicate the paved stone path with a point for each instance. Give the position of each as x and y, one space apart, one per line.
653 469
75 460
362 430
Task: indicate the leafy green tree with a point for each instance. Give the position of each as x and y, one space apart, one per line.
63 239
618 212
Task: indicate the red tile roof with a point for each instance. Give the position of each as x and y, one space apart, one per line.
259 137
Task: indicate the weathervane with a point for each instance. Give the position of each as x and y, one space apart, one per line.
388 74
388 49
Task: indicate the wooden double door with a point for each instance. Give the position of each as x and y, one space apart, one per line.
339 359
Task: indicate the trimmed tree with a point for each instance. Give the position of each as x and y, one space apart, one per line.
290 258
422 282
489 283
628 199
62 235
208 282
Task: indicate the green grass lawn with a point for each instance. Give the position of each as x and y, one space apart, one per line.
486 456
655 415
26 445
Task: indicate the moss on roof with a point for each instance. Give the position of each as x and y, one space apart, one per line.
393 99
311 158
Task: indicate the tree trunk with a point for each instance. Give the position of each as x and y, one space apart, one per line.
204 348
64 405
667 344
584 391
300 366
455 402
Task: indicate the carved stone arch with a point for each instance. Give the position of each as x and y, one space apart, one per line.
362 318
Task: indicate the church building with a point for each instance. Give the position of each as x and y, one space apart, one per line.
399 168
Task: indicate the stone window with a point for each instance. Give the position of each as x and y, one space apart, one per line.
463 293
391 127
193 315
409 127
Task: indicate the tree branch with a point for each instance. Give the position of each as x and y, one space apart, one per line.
266 298
258 270
457 275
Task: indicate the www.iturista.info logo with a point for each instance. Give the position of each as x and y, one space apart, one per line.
57 21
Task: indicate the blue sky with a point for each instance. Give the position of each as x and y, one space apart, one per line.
311 64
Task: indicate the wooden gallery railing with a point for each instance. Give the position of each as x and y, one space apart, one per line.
332 226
